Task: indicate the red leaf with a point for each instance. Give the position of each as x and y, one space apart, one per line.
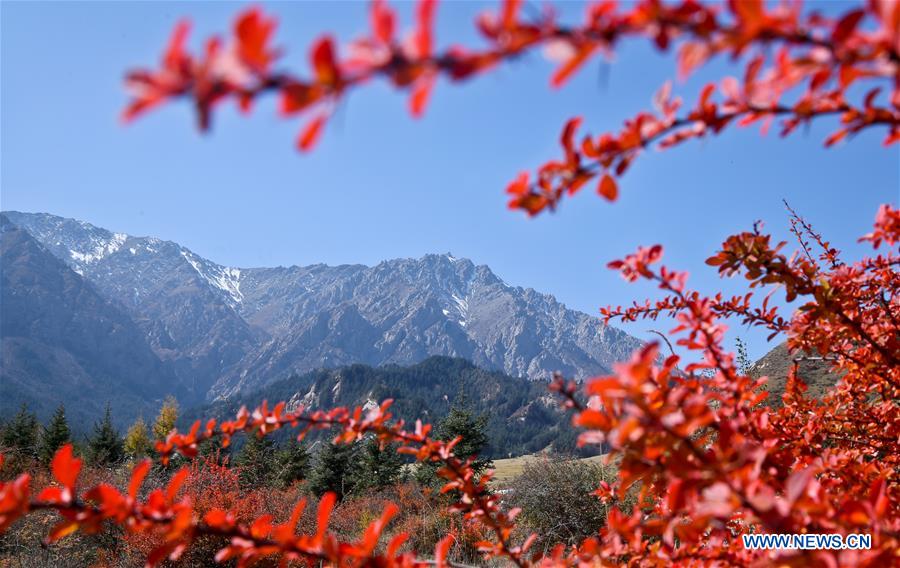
425 25
705 95
140 106
374 530
442 550
567 138
295 97
607 187
175 483
323 61
297 514
847 25
509 14
567 69
61 530
382 21
174 55
66 467
216 518
836 137
419 97
529 541
750 13
253 32
326 505
137 478
310 135
690 56
261 527
51 495
520 185
157 555
394 546
848 74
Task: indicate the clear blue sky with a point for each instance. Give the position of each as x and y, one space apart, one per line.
382 185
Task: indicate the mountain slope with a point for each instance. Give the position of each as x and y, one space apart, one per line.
184 304
63 342
523 417
227 329
777 363
402 311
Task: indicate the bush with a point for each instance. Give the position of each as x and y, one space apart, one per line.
557 501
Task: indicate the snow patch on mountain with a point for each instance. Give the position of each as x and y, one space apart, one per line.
462 308
224 278
100 249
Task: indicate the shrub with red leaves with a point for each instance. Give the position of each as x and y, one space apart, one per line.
708 461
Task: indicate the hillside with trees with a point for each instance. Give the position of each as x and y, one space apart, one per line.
520 416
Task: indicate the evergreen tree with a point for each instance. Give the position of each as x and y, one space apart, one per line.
378 468
459 422
105 446
56 434
257 461
334 470
21 433
293 463
137 440
166 419
742 358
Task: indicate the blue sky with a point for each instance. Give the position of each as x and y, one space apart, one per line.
382 185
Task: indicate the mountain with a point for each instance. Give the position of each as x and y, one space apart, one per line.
522 416
224 329
777 363
402 311
63 342
184 304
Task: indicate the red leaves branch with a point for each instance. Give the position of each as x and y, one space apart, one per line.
814 61
248 543
712 461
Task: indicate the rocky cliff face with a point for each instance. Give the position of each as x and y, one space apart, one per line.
183 303
402 311
62 341
226 329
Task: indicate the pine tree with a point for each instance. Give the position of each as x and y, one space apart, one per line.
166 419
334 470
293 463
742 358
257 461
105 446
378 467
460 422
56 434
137 440
21 433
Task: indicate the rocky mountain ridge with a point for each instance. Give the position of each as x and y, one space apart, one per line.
62 341
225 329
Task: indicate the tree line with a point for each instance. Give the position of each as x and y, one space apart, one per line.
260 461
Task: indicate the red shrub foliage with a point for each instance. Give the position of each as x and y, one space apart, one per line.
214 486
710 461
